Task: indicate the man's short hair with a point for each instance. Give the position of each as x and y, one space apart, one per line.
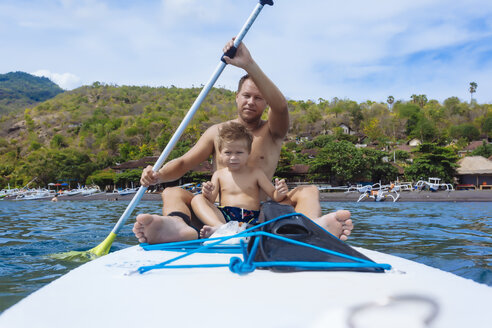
241 82
233 131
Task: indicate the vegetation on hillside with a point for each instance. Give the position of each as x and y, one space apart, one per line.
19 90
80 133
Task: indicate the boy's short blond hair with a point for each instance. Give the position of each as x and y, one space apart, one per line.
233 131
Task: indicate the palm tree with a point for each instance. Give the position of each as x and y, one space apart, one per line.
414 98
473 89
390 101
420 100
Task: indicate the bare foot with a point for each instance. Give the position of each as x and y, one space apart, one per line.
337 223
207 231
156 229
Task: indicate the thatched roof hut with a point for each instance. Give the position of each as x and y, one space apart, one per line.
135 164
474 165
475 170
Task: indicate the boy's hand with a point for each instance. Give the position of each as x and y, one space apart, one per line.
207 189
281 187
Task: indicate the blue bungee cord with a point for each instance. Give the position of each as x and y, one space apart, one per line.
197 246
247 265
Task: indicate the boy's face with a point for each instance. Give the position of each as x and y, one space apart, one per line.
234 154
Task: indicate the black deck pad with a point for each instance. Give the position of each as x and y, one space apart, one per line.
301 229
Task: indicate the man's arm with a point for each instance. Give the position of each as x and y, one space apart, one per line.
278 116
178 167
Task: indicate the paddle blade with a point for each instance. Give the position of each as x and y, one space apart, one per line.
74 256
89 255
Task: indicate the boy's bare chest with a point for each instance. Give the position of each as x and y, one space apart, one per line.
238 184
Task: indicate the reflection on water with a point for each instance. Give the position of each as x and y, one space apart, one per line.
454 237
32 230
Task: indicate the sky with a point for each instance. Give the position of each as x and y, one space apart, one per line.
352 49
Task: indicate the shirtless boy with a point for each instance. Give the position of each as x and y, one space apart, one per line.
255 92
237 185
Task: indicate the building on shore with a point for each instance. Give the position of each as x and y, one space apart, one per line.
475 170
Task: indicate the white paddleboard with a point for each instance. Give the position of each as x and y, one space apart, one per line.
102 294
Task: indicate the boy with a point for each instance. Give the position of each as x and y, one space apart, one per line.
237 185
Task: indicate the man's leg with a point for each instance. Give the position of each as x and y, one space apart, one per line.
305 200
174 225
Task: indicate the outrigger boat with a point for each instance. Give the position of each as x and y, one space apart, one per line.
127 191
433 184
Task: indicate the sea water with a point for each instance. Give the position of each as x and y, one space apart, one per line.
454 237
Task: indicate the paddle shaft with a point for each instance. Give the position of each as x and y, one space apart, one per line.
189 116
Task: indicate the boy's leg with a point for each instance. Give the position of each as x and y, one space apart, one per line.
207 212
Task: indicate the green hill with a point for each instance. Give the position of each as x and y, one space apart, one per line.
83 131
19 90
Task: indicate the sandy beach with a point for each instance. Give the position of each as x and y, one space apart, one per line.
406 196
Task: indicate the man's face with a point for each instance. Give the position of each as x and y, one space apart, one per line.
250 102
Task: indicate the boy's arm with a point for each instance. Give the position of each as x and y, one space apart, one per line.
211 188
281 190
277 193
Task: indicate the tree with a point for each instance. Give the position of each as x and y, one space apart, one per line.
373 131
420 100
101 178
124 178
433 161
340 161
49 165
323 140
467 131
453 105
425 130
376 168
484 150
285 161
390 101
487 125
145 150
473 89
58 141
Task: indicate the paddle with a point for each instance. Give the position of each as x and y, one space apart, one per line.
103 248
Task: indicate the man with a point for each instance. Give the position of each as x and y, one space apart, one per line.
255 92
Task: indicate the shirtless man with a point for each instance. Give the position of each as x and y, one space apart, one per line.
255 92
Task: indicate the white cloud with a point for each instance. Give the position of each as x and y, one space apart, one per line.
356 49
67 81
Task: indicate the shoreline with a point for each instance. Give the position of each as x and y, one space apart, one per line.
416 196
405 196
